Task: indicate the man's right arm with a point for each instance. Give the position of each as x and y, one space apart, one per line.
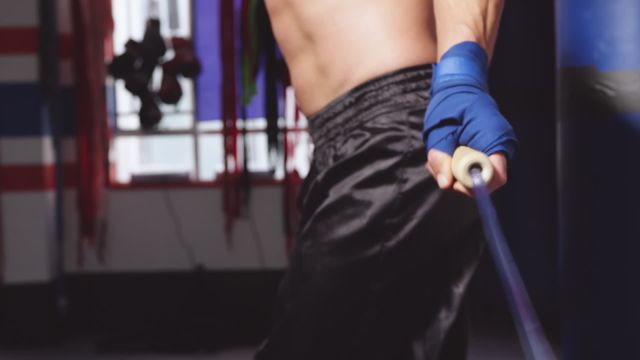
467 20
461 111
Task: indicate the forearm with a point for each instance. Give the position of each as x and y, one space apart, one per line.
467 20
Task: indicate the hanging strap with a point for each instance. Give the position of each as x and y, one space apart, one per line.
91 112
231 198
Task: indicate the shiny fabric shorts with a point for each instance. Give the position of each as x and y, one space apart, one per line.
383 257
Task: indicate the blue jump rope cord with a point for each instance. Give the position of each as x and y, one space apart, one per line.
532 337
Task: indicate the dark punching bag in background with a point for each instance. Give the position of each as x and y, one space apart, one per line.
598 46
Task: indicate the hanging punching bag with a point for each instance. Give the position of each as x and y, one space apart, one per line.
598 47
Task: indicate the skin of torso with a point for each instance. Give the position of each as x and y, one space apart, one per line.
331 46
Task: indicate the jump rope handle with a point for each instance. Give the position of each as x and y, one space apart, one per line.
464 160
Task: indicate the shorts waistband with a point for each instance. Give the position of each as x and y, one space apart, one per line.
359 103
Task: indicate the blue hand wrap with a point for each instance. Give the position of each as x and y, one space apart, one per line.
461 111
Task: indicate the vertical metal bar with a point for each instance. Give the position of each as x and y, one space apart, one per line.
196 137
174 15
49 83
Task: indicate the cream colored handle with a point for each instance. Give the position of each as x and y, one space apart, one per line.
466 158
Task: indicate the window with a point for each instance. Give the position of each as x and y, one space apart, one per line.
184 147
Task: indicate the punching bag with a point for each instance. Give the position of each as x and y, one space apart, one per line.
598 47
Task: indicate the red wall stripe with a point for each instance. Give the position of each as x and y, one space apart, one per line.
18 40
65 46
24 40
15 178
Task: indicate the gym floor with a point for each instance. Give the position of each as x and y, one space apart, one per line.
482 347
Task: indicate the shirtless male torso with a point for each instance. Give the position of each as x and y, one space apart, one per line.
333 45
383 256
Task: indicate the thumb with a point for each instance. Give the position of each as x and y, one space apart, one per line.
440 164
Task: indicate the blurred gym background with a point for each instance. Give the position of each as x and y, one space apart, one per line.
151 152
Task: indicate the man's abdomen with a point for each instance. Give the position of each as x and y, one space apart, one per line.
333 45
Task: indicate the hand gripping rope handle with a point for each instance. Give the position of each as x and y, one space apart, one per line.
474 170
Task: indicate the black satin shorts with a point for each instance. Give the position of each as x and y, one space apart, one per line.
383 257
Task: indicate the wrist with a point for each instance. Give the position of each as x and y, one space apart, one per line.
465 63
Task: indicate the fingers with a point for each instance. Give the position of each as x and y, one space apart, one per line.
462 189
499 162
439 164
430 169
